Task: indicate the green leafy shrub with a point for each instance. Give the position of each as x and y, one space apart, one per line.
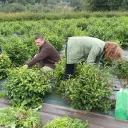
5 64
17 51
121 71
90 89
15 7
66 122
55 16
32 48
59 70
56 41
19 118
2 94
109 30
26 87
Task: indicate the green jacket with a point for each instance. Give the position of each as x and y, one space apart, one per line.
84 48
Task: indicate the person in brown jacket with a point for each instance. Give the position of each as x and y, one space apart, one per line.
47 55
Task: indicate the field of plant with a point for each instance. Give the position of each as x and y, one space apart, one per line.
18 117
91 87
56 16
17 37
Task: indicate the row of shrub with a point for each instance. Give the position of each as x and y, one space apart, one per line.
20 118
17 41
25 88
89 89
121 71
17 38
56 16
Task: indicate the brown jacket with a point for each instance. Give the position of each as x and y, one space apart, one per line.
47 56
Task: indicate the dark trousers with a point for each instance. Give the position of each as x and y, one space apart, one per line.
0 50
69 67
69 71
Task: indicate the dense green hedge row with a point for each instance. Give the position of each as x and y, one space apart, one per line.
17 41
121 71
20 118
17 37
57 16
89 89
66 122
5 64
26 87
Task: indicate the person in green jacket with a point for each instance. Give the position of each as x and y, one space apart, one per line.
90 50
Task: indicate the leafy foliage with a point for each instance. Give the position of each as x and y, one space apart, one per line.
17 51
2 94
121 71
59 70
19 118
90 89
32 16
95 5
55 5
65 122
56 41
5 64
108 5
20 34
26 87
14 7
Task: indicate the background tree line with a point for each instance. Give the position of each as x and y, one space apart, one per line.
62 5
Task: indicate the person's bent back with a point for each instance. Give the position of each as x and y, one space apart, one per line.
89 49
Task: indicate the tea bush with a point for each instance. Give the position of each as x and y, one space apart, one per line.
108 30
26 87
5 64
31 47
19 118
2 94
56 16
17 51
120 68
66 122
56 41
17 38
90 89
59 70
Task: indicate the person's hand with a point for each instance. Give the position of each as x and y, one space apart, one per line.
35 55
